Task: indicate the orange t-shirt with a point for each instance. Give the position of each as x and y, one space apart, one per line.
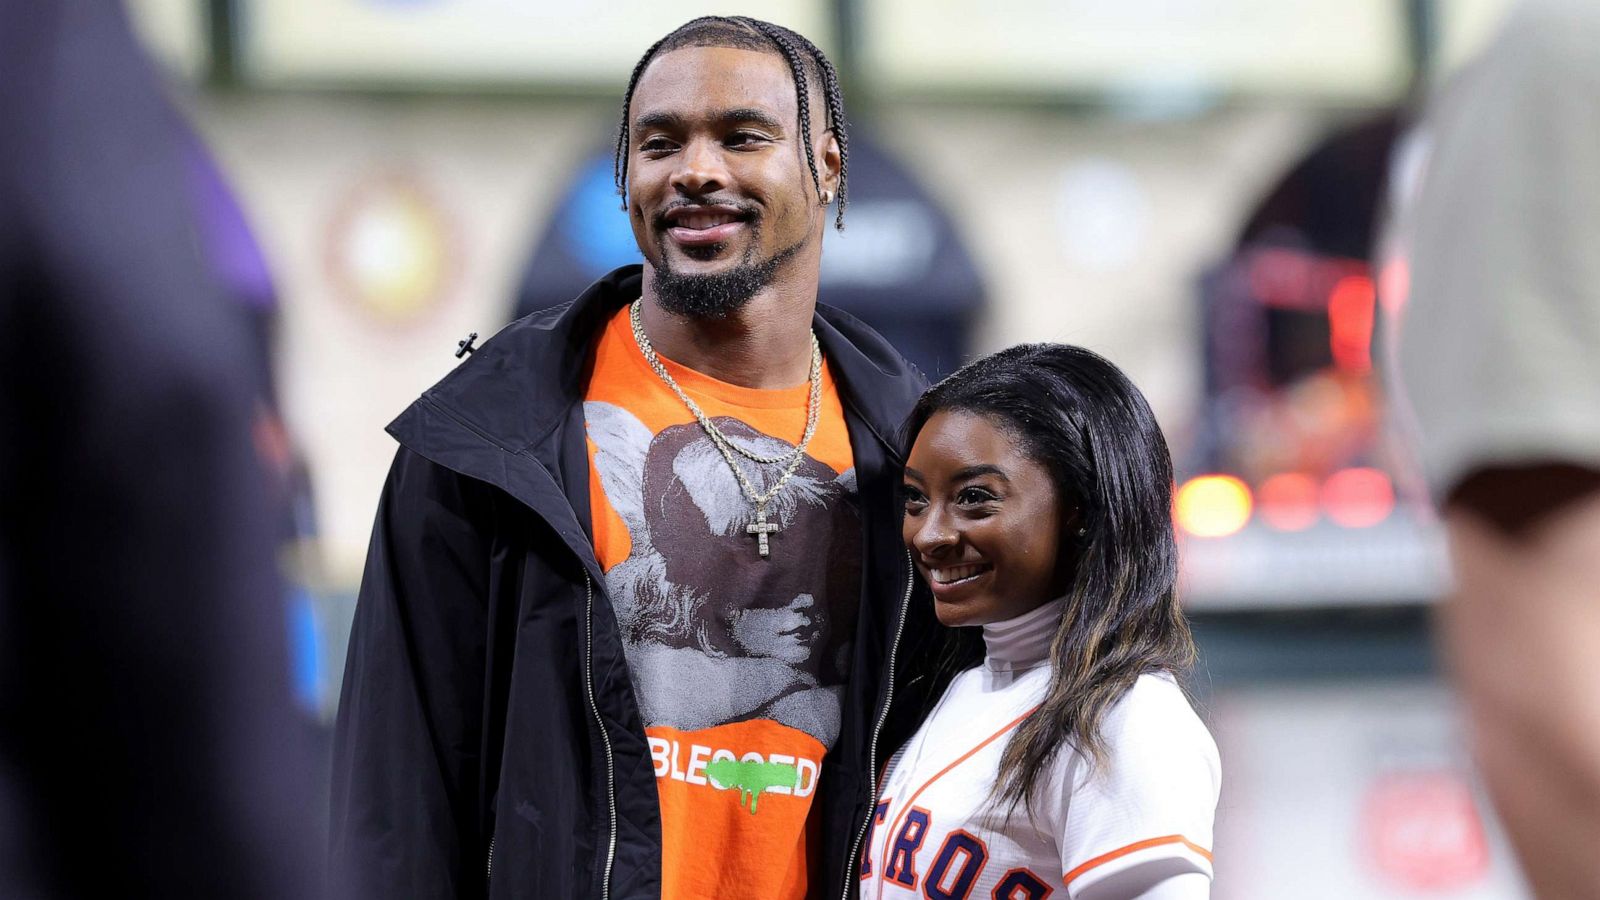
738 660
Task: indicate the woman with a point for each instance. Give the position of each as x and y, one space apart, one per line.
1066 761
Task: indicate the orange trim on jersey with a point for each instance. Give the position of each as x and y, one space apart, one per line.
1120 852
940 774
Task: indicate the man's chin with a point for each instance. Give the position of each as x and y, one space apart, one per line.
710 291
702 260
713 289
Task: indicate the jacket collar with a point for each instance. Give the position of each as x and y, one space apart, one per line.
521 384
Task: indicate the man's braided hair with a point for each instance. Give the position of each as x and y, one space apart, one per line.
745 33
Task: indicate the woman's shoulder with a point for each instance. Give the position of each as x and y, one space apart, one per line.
1154 740
1155 723
1145 810
1156 701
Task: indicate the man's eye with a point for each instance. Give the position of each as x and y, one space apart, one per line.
656 146
744 139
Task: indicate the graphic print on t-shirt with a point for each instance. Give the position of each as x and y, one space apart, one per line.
714 633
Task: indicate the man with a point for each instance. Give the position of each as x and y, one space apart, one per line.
148 738
1500 358
636 587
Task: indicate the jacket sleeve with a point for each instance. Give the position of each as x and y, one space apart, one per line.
406 817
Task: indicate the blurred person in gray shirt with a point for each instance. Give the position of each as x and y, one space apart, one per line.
1499 357
148 740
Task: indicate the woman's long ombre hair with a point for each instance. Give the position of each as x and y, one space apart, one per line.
1077 415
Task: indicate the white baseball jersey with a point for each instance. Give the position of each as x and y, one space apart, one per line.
1141 820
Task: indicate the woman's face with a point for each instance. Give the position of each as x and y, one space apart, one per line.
982 520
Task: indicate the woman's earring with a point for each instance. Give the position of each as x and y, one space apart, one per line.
1083 531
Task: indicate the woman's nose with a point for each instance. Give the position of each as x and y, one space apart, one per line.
934 535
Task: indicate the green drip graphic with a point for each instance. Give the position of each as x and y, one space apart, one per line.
751 778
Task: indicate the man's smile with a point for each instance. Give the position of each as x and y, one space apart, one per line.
704 225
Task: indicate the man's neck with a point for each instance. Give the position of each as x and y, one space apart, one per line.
765 345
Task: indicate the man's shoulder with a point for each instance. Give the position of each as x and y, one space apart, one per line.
509 389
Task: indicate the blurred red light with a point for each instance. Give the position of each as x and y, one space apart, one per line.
1288 501
1212 505
1358 498
1350 314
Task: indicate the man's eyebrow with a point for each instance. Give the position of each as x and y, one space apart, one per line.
750 115
743 115
658 120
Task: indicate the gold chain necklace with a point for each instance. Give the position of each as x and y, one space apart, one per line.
760 528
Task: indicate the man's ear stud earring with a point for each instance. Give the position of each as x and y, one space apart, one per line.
827 197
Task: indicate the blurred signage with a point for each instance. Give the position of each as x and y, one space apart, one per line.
1400 560
1360 789
174 31
1349 49
439 42
391 249
1424 832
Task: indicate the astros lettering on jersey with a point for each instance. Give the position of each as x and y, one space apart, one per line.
1142 817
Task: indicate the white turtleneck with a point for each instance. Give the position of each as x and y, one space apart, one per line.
1140 828
1023 643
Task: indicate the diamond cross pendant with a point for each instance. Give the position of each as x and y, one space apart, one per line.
761 528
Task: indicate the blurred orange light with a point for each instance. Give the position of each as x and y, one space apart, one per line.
1288 502
1213 505
1358 498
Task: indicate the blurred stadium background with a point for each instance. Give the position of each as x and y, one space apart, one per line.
1192 187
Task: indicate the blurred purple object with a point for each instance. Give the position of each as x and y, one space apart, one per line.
148 737
225 235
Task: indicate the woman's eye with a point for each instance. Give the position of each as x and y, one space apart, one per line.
913 498
975 495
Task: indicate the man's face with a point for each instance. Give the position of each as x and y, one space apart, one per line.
718 187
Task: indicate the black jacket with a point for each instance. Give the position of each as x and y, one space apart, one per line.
488 739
